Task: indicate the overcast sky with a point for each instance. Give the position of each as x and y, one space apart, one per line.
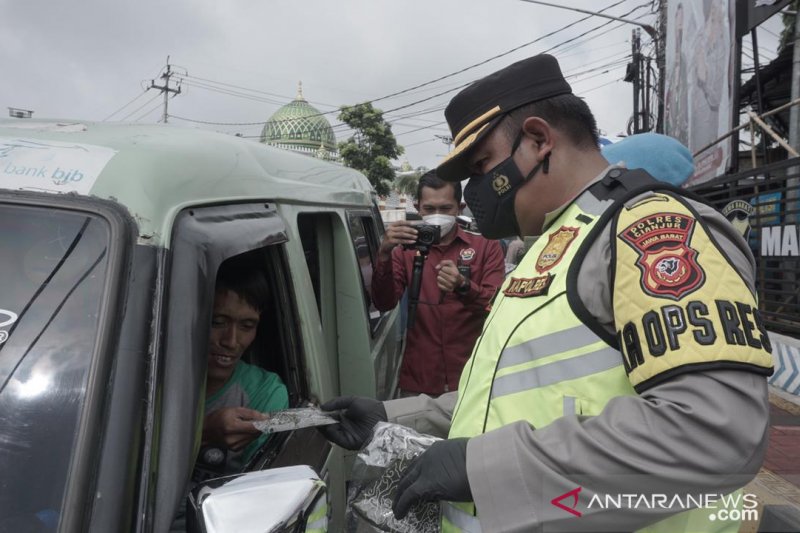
88 59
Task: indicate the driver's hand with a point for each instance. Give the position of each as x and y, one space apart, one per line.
400 232
231 427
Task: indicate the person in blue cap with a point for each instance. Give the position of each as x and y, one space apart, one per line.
662 156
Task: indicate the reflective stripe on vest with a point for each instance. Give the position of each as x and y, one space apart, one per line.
553 373
459 519
546 345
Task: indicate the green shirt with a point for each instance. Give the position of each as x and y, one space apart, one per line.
255 388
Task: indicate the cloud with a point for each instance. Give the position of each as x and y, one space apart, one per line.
85 60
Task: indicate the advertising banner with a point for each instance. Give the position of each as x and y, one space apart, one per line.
51 166
699 80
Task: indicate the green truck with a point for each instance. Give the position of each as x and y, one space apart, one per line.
110 239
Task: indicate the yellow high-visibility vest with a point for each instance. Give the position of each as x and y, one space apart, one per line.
540 357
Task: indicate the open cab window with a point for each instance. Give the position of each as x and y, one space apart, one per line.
206 240
366 241
254 355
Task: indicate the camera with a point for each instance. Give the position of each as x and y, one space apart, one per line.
427 236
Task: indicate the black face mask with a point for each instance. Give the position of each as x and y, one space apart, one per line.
490 197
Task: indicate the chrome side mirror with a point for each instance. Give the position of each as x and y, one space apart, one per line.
283 499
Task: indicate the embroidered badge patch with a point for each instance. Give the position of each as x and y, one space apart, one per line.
467 254
500 184
557 244
527 287
738 214
666 260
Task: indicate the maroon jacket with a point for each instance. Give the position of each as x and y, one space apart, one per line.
447 324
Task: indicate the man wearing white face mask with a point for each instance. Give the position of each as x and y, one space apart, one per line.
460 276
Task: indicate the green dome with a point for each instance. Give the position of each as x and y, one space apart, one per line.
301 127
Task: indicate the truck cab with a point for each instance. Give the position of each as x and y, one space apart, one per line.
111 236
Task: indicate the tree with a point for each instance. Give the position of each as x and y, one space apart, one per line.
787 34
407 183
372 146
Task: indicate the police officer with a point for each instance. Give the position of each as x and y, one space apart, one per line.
621 372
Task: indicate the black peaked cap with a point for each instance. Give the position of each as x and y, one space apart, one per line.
477 109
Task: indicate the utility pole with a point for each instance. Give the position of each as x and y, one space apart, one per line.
794 112
635 69
165 89
637 74
759 96
446 139
661 64
794 121
646 125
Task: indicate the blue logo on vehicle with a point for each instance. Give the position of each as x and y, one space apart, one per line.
6 319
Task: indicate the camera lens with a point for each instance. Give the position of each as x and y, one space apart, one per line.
426 235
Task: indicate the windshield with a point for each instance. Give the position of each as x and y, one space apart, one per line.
52 271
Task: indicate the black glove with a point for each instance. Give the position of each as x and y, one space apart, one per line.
440 473
356 421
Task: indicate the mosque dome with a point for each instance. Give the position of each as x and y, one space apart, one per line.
301 127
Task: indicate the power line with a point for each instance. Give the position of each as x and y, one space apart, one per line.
140 117
465 69
420 129
201 85
420 142
591 30
503 54
126 105
138 108
619 56
339 126
593 70
646 27
608 66
762 27
282 96
614 63
229 92
260 99
613 27
601 86
564 56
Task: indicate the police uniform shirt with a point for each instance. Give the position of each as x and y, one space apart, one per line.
692 426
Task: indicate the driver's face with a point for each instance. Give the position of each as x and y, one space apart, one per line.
233 329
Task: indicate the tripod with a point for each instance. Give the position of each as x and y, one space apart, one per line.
416 283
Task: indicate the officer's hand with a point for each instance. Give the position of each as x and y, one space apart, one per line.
400 232
231 427
440 473
448 278
356 421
